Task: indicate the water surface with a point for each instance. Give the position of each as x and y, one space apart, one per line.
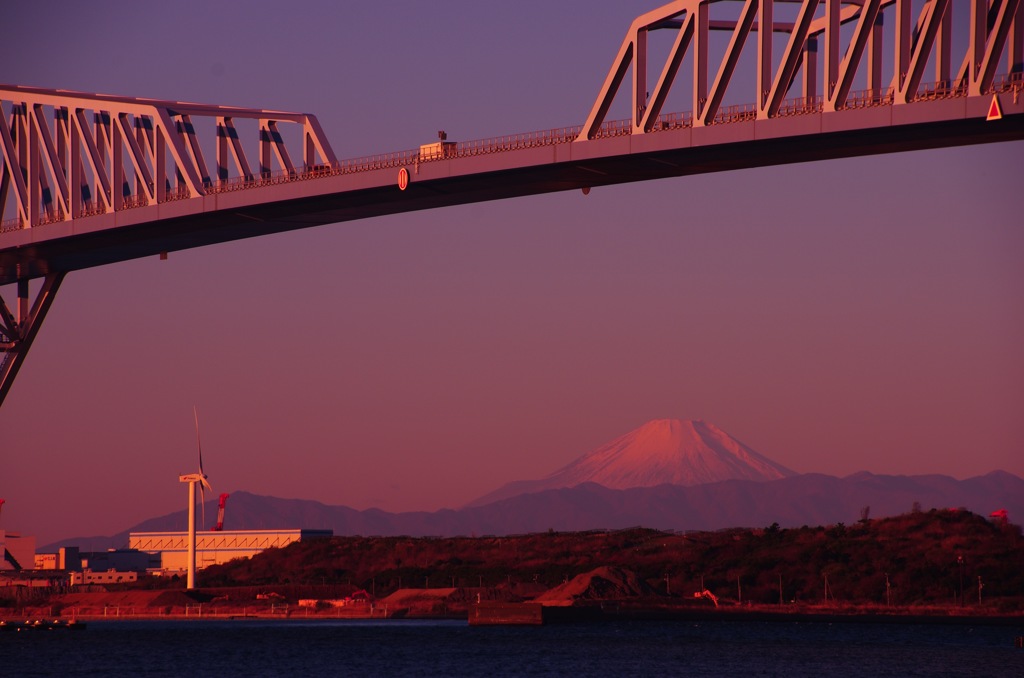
452 648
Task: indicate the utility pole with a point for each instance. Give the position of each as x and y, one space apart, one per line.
960 561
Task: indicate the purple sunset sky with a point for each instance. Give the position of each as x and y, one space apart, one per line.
847 315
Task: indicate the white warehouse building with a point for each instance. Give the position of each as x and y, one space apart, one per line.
214 548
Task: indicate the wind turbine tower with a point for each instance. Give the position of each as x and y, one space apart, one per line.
194 479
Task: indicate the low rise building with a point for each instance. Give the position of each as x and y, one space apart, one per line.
107 577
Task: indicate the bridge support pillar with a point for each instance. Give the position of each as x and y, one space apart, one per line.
19 328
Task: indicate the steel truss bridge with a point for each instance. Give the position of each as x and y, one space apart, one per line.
90 179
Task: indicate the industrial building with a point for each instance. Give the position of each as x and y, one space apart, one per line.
67 558
71 559
153 552
214 548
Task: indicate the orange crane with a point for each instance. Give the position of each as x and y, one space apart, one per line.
220 513
707 594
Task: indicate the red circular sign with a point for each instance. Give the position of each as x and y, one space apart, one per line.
403 179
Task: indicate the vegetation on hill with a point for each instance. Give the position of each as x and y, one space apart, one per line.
918 559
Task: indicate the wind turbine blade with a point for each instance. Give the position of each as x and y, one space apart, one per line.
202 500
199 443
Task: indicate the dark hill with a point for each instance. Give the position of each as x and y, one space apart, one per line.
913 559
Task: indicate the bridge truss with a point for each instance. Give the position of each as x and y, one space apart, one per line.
915 42
90 179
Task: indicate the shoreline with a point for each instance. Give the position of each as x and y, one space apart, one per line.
937 617
607 611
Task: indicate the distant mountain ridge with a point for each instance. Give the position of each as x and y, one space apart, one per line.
809 499
659 452
667 474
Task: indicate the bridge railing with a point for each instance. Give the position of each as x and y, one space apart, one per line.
613 128
375 162
869 98
941 89
1008 82
548 137
801 106
668 121
736 113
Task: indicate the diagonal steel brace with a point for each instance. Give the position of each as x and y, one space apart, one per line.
19 329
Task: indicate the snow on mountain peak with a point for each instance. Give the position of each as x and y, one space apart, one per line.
669 451
673 451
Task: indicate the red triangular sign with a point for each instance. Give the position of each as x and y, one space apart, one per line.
994 111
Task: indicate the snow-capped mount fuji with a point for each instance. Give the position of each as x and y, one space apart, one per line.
663 451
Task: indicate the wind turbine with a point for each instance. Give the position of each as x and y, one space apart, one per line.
194 479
